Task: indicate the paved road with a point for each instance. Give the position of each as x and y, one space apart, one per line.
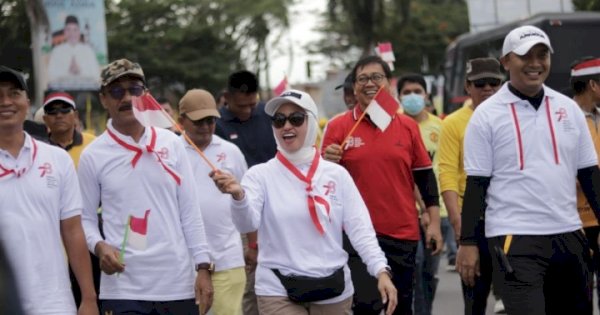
448 299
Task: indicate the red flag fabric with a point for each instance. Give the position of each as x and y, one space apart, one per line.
382 109
281 87
138 228
149 113
386 52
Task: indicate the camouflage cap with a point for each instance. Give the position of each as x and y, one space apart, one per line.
119 68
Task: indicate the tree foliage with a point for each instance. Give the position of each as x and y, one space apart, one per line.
193 42
16 36
587 5
418 30
181 44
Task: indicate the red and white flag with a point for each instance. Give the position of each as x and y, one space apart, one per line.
149 113
382 109
281 87
138 228
385 51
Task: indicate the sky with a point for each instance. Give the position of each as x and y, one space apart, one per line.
289 57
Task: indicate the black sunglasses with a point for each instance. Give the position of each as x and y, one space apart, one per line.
479 83
206 120
55 110
118 92
295 118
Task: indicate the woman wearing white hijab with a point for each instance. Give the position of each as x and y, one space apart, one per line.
300 203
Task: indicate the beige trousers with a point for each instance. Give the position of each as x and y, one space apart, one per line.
277 305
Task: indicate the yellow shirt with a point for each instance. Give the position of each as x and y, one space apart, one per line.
451 151
75 150
430 133
588 218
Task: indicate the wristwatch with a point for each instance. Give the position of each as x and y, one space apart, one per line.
206 266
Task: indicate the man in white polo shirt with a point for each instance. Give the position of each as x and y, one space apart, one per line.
40 211
524 148
198 117
154 234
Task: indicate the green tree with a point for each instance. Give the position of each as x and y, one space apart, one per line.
175 41
193 42
587 5
418 30
15 41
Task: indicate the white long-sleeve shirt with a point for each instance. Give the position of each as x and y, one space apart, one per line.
164 270
275 204
41 191
223 238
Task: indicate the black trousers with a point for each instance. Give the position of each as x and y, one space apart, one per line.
476 297
592 233
401 258
551 274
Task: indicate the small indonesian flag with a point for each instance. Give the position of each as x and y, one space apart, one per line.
382 109
137 231
149 113
281 87
385 51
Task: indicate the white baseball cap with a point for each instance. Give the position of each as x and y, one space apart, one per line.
521 39
299 98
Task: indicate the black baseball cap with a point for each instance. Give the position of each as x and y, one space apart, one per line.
10 75
348 84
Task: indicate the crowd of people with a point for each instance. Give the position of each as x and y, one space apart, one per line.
241 209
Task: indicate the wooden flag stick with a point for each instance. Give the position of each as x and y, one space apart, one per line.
185 136
358 121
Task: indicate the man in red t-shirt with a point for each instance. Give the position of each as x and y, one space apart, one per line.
386 166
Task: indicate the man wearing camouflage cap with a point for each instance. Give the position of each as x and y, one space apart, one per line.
153 229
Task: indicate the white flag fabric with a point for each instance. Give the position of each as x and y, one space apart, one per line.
149 113
382 109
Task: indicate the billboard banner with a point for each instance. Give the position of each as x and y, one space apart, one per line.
75 46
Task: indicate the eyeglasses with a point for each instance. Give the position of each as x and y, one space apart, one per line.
480 83
55 110
118 92
206 120
295 118
375 78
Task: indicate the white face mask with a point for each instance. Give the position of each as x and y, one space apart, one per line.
413 103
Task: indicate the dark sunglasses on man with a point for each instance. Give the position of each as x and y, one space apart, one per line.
480 83
295 118
118 92
55 110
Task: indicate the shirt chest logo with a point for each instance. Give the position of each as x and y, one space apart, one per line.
562 120
329 188
221 157
46 171
354 142
163 153
561 114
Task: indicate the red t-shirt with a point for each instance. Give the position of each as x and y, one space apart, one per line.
381 164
